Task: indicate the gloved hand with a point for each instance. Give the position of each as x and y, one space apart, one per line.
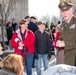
36 55
49 57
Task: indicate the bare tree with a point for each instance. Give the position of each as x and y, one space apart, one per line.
6 7
55 19
46 19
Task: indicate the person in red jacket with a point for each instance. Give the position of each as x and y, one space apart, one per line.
59 46
23 43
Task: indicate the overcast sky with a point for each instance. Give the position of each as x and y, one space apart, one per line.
40 8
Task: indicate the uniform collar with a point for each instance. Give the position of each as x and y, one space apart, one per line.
70 19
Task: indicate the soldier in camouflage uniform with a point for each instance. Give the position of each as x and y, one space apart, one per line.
68 32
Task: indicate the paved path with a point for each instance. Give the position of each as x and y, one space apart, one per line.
52 62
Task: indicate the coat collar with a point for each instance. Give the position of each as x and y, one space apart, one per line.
8 72
67 25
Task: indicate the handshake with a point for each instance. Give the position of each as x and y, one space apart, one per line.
20 43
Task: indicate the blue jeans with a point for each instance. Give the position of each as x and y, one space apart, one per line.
38 63
28 63
33 64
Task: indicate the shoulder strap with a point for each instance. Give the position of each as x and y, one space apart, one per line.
26 33
18 32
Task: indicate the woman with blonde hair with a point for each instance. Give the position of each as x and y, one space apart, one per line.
12 65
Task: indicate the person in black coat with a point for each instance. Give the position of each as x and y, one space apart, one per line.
14 24
9 31
43 47
32 25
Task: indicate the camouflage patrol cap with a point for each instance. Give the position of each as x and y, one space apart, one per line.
64 5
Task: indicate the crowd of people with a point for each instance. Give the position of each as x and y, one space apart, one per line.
31 41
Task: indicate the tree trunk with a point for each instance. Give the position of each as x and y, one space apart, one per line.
3 42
